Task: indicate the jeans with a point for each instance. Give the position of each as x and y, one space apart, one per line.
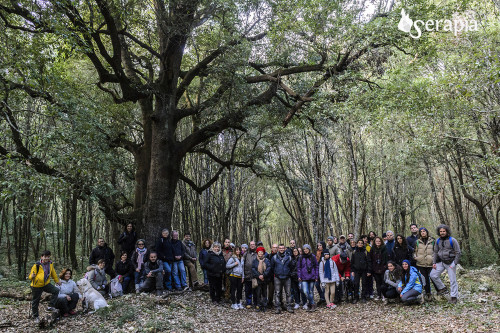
320 290
250 293
138 276
205 276
236 289
36 293
296 292
308 290
167 278
410 296
261 294
179 274
125 282
452 274
279 284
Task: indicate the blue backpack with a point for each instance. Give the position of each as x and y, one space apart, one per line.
451 241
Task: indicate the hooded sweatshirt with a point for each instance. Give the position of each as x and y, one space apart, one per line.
412 283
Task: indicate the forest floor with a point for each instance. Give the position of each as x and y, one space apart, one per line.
478 310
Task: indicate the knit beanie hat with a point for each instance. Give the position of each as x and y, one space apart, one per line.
307 246
407 261
261 248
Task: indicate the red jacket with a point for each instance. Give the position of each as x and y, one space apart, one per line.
343 268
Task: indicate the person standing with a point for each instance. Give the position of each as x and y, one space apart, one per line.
389 244
178 269
40 275
308 272
446 257
329 277
103 251
361 267
190 260
247 261
294 278
424 254
215 266
227 252
281 266
343 264
235 270
205 247
127 240
289 250
412 239
165 254
331 246
261 270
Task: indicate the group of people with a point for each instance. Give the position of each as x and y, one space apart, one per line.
340 269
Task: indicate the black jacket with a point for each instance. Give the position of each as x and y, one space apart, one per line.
127 241
124 268
401 254
103 252
215 264
379 259
164 249
361 261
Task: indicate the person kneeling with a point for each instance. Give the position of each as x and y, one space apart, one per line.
410 287
154 275
97 277
69 294
392 278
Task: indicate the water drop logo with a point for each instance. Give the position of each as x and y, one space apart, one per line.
406 22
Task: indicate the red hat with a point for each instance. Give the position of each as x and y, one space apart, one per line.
261 248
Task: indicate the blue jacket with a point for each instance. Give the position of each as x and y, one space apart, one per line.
281 266
178 249
202 257
255 270
413 283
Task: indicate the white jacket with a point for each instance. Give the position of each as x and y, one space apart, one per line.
333 269
67 288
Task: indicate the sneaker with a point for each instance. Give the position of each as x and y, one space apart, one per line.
186 288
240 306
305 307
328 305
278 310
332 306
248 306
290 310
376 298
385 300
363 300
235 307
372 296
50 308
297 306
36 320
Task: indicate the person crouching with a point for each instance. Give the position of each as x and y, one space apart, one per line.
154 275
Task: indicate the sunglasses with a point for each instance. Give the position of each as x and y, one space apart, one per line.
140 244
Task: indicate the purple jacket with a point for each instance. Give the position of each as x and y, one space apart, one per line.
307 268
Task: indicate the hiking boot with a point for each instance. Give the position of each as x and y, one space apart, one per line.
248 306
363 300
453 300
354 300
420 299
278 310
321 301
313 308
442 291
428 297
290 309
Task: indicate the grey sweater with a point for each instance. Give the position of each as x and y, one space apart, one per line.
235 267
389 281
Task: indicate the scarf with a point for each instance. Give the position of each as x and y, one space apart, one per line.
328 270
46 271
140 257
262 265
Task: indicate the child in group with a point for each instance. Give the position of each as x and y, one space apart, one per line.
329 277
40 275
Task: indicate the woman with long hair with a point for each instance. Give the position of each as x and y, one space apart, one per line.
215 266
379 259
392 278
424 255
410 287
235 272
205 247
139 258
401 250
